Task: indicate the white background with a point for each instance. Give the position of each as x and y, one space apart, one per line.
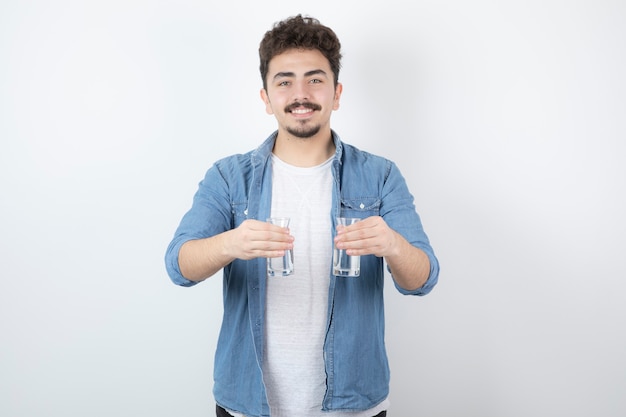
506 118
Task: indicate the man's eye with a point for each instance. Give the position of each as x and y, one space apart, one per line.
315 81
283 83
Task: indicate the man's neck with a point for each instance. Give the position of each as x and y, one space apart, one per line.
304 152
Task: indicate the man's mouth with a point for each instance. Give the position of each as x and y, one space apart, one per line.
302 108
300 111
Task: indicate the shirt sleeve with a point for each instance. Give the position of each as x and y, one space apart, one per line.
398 210
209 215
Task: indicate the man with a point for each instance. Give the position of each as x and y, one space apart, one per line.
310 344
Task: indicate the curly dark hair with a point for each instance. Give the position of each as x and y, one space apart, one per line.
299 32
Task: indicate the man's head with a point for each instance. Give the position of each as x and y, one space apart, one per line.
304 33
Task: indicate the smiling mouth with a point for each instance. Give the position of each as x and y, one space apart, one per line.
301 111
302 108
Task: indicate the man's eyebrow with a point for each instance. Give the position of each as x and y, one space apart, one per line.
315 72
286 74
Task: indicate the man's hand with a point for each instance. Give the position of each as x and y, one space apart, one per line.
199 259
370 236
257 239
409 265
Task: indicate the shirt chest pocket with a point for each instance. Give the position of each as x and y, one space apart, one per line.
360 207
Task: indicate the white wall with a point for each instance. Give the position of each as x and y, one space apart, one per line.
507 118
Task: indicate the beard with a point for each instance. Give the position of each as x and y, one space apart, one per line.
303 131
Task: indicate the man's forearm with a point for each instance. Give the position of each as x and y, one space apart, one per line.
199 259
409 265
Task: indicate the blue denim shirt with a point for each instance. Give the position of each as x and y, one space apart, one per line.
239 187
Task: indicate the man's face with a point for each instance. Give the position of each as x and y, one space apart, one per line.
300 92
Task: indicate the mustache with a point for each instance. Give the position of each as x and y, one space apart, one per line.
304 104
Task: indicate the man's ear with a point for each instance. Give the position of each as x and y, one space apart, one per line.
338 91
266 100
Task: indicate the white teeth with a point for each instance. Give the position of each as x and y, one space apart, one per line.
300 111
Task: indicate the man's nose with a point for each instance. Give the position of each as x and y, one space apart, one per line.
300 91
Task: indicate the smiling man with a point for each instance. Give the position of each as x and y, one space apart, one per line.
301 93
310 344
302 89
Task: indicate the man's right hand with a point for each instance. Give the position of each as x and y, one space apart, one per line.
201 258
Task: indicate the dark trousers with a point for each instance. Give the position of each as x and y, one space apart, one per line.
220 412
